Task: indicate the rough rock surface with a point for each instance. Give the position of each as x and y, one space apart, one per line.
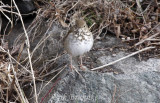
108 88
128 81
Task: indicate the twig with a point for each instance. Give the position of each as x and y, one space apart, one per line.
29 55
71 8
111 63
140 8
153 39
43 39
52 78
50 90
19 91
14 59
16 69
92 26
114 93
150 36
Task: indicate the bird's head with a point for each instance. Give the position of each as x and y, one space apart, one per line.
80 23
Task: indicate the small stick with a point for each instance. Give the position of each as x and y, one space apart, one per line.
140 8
134 53
147 39
91 26
50 90
28 50
52 79
114 93
140 42
14 59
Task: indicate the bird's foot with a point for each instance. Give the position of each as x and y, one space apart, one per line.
71 67
82 67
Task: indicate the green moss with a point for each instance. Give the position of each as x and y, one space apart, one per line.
92 17
88 21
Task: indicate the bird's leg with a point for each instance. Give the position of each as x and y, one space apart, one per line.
81 63
71 66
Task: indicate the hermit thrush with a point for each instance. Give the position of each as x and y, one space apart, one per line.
79 40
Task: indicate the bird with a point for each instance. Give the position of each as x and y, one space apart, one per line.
78 41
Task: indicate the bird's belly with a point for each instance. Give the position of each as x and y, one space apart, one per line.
79 47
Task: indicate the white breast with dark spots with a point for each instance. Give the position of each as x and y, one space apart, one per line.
78 44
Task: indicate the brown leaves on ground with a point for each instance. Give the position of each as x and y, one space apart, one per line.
132 21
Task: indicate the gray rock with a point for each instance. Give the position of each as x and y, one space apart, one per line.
131 65
129 81
108 88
